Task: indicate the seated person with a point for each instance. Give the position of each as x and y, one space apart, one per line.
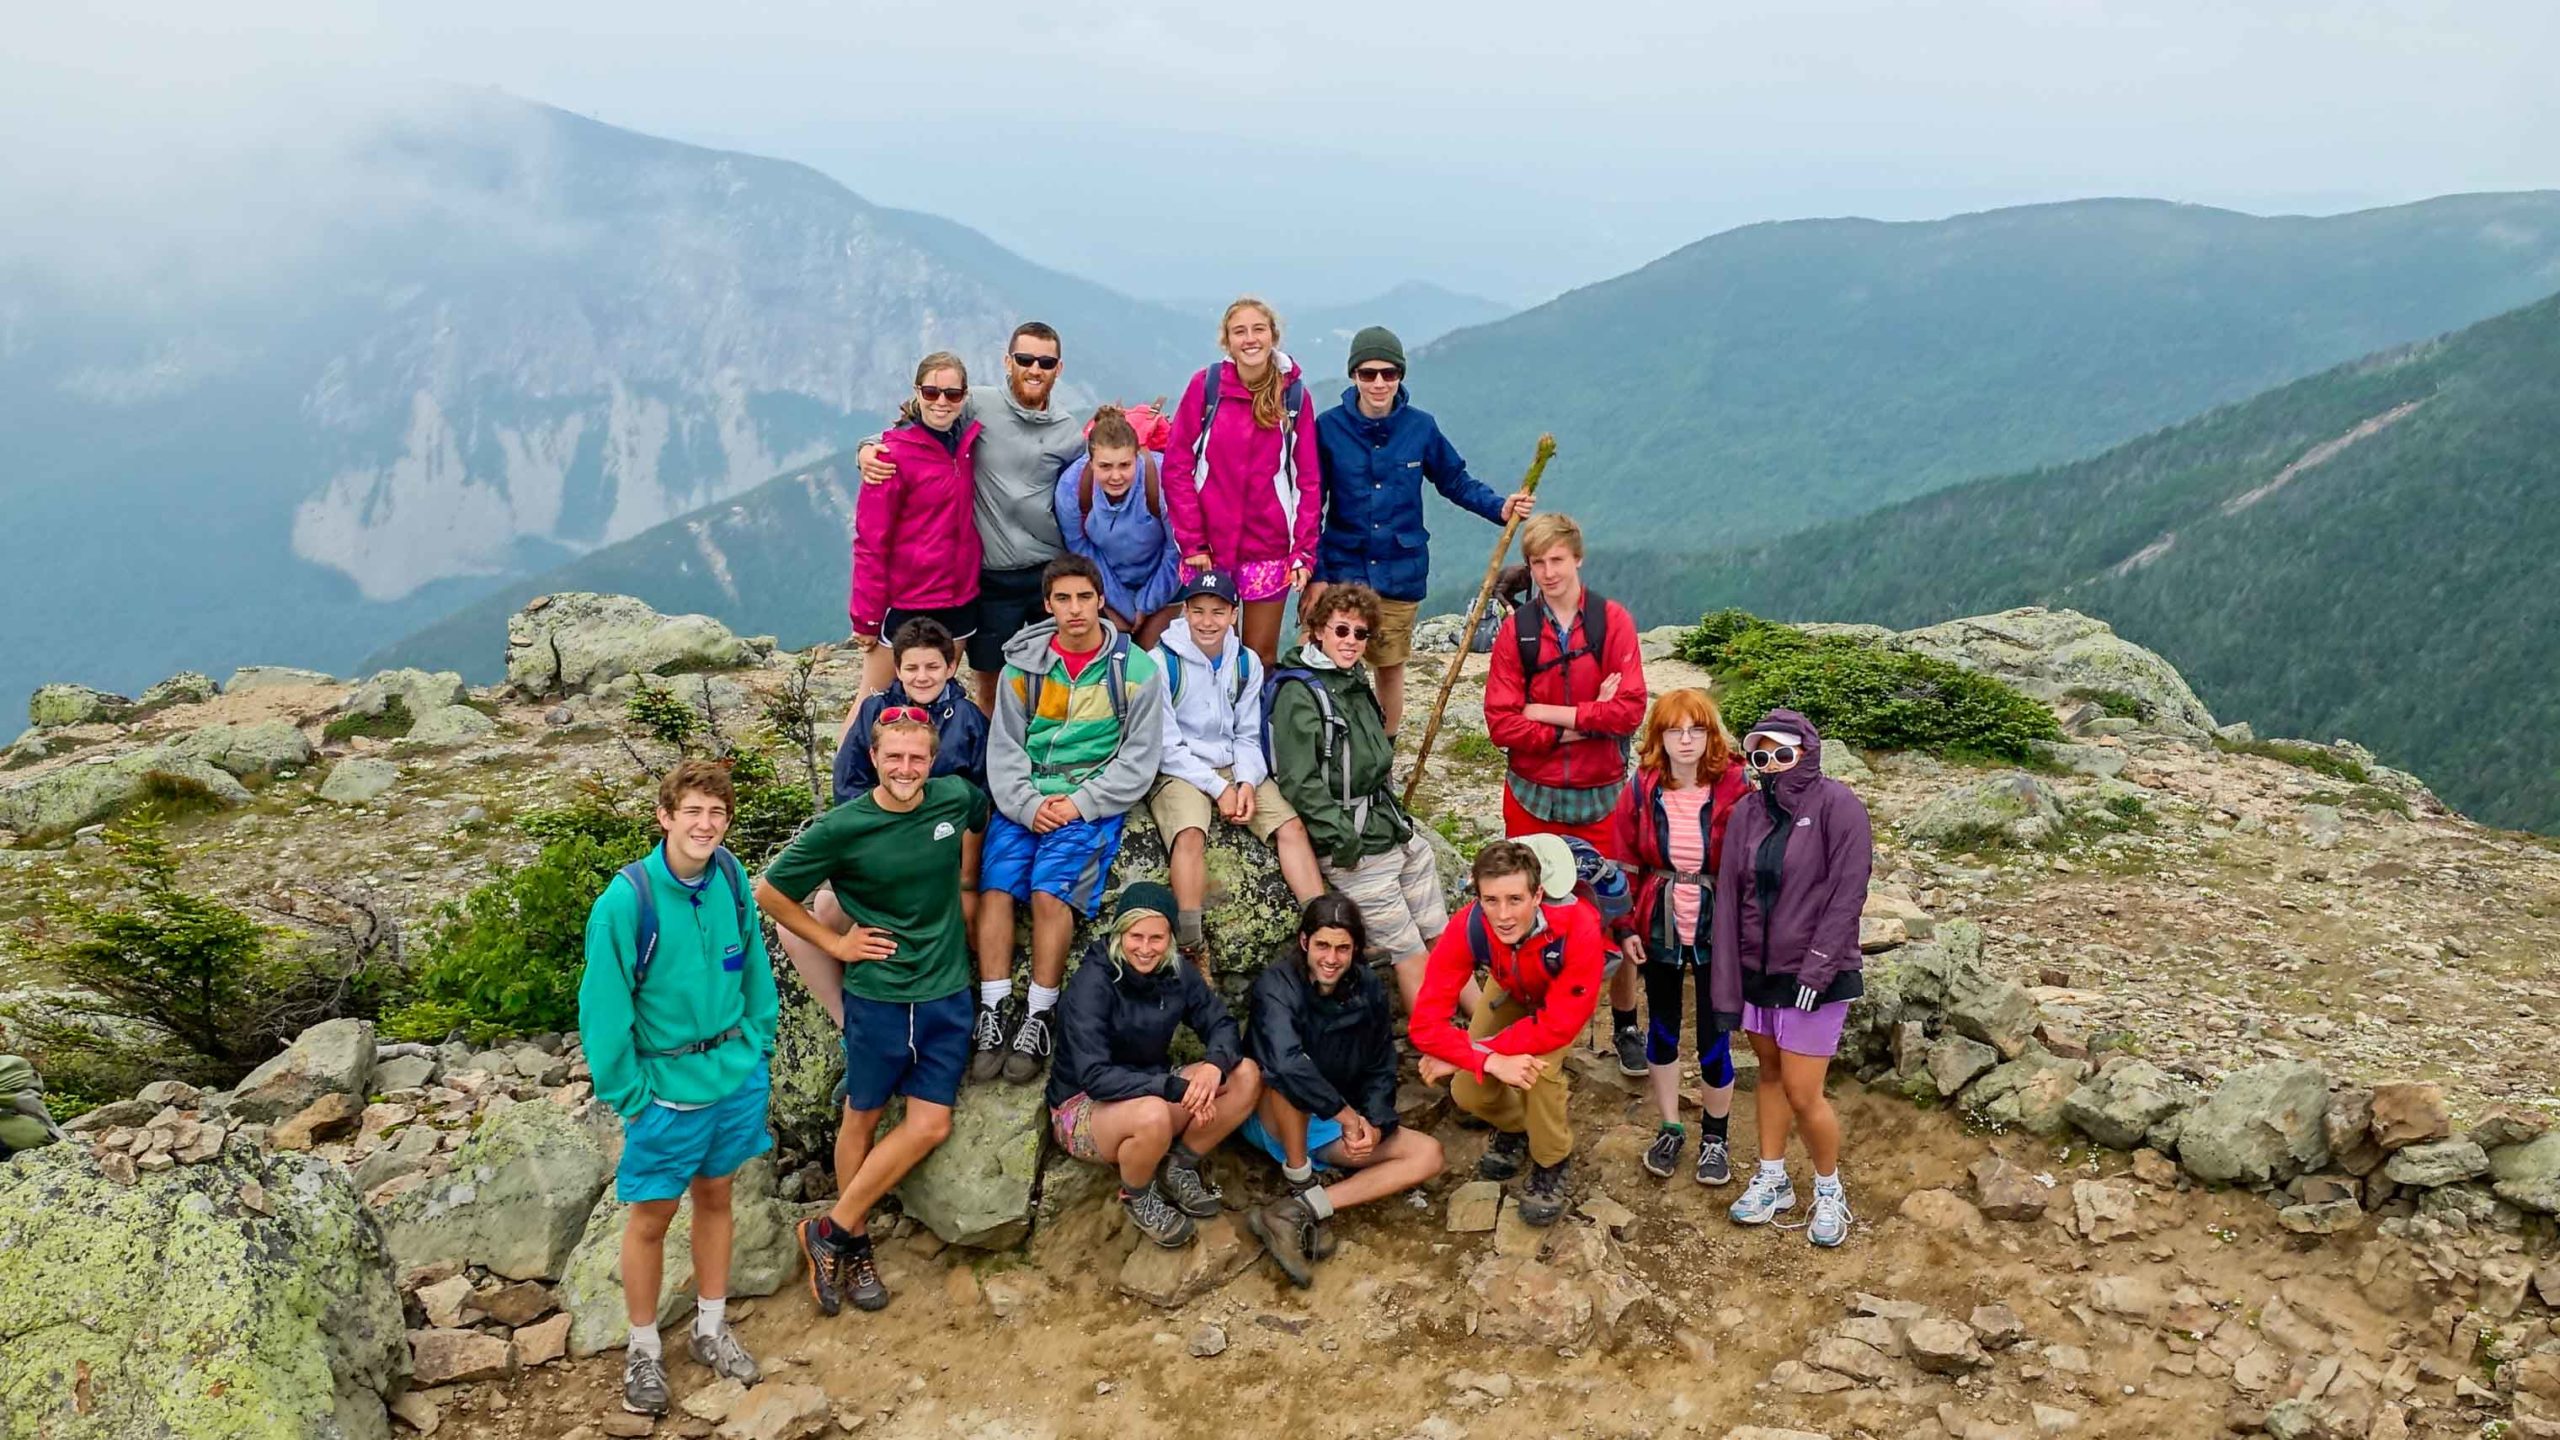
926 657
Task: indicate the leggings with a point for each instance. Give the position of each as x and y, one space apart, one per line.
1662 987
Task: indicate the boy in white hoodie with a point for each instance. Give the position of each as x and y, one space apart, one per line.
1213 768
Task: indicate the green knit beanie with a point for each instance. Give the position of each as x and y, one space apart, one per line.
1376 344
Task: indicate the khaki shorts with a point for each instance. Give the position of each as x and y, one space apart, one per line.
1393 644
1399 898
1178 805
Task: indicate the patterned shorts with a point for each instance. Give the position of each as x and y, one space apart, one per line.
1072 1123
1262 579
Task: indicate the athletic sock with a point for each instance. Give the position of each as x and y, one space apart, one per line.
1184 1156
644 1341
1674 1126
1042 997
709 1315
1298 1174
1713 1126
1827 1184
835 1237
1186 927
1774 1169
992 992
1623 1020
1320 1200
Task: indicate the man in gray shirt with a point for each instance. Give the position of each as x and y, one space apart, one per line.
1022 449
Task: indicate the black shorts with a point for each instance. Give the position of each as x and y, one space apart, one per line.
1008 601
960 620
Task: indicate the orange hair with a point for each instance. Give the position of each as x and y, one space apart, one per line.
1673 709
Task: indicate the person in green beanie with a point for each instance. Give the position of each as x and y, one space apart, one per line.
1114 1096
1377 449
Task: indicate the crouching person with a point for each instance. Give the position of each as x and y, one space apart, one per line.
1114 1097
1507 1066
1324 1035
676 1011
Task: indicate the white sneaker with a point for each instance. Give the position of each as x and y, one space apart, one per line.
1830 1224
1768 1196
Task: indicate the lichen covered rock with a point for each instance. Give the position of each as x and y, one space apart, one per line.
246 749
2010 808
516 1200
57 705
975 1188
80 793
570 643
2262 1125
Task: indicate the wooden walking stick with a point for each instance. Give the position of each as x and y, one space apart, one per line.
1467 634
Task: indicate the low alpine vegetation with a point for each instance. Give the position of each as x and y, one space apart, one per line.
1865 696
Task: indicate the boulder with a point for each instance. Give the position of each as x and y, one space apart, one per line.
2058 651
187 687
359 779
2130 1103
1954 1061
1943 1347
2009 808
975 1188
1250 913
245 749
334 1057
1174 1278
2407 1113
53 706
446 727
2442 1162
1513 1300
2324 1217
516 1200
2527 1176
2028 1093
2350 1127
1998 1012
272 677
166 1304
2004 1190
417 691
86 791
2262 1125
2509 1125
763 1257
573 642
2105 1210
331 1117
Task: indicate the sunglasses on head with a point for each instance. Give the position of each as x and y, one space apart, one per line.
943 392
1345 630
1765 757
1367 373
1035 362
905 715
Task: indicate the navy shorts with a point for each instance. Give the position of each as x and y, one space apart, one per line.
960 620
918 1050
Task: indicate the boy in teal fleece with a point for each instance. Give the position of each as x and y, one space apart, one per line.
683 1057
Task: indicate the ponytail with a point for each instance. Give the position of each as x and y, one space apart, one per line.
1110 430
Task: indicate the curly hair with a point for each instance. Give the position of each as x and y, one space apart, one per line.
1359 599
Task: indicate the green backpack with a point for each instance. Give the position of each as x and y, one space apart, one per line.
24 1122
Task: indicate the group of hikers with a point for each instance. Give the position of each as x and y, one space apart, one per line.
1118 590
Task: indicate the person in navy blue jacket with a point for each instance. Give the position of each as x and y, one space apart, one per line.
926 657
1377 450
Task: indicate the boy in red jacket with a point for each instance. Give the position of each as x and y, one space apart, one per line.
1507 1066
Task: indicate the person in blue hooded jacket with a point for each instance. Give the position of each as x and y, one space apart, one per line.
1377 450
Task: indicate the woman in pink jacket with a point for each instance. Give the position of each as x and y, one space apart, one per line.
915 536
1241 476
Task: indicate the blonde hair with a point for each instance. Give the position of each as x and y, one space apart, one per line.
1545 532
1270 390
913 410
1685 706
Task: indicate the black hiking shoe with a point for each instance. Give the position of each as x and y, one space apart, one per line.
1029 1052
1662 1157
1542 1199
862 1282
1502 1159
1630 1045
987 1038
826 1267
1715 1163
1189 1190
1286 1228
644 1384
1156 1218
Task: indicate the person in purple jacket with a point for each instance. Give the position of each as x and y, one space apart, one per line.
1784 967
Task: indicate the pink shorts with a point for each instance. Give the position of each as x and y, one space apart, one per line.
1072 1123
1262 579
1799 1032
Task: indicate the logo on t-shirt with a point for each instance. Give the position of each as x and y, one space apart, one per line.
945 830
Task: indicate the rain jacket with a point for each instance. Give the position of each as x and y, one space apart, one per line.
960 747
1640 823
1083 744
1554 972
915 538
1373 474
1115 1029
1132 546
1536 753
1324 1053
1792 881
1017 464
709 976
1212 717
1237 513
1371 821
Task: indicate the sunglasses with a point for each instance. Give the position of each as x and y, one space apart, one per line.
1345 631
1367 373
1781 755
904 715
943 392
1034 362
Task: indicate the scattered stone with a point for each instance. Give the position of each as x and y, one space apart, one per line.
1941 1210
446 1303
542 1342
2350 1130
1600 1210
359 779
2440 1163
2054 1420
417 1412
2128 1104
453 1357
1797 1378
334 1057
2504 1279
1954 1062
778 1410
1997 1326
625 1426
2006 1191
2409 1113
1943 1347
2029 1093
2153 1168
2528 1175
1174 1278
331 1117
2262 1125
1474 1207
404 1072
515 1305
1853 1358
1207 1341
2104 1210
2326 1217
1518 1301
2128 1297
2509 1125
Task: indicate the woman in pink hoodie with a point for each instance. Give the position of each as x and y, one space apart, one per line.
915 536
1241 476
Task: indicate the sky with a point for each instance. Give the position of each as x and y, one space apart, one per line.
1328 151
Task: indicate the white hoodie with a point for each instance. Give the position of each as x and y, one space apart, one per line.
1214 719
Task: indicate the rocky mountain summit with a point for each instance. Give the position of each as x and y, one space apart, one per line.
2203 1083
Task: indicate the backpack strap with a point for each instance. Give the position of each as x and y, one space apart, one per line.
637 873
1211 380
1155 484
1084 491
736 874
1118 660
1479 940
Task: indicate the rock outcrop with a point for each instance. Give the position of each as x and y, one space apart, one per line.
516 1200
570 643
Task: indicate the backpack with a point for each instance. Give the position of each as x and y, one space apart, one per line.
637 873
1600 882
1117 658
1529 629
1293 400
1173 668
1328 733
1480 941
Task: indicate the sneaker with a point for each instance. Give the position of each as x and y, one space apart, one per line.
1767 1197
724 1356
1542 1199
1830 1224
1663 1156
1189 1190
1631 1061
1156 1218
1502 1159
1286 1227
987 1039
862 1283
644 1384
1715 1162
1030 1050
826 1268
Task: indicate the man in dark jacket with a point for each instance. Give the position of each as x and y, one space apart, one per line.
1378 449
1789 888
1323 1035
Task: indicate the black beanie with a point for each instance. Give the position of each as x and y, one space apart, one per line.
1376 343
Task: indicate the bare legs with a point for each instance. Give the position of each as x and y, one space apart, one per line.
1790 1097
644 1248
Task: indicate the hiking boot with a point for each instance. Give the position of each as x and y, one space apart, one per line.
724 1356
1630 1045
1189 1190
862 1282
1542 1199
644 1384
1502 1159
987 1039
1663 1156
1830 1223
1286 1228
1715 1162
826 1267
1320 1242
1156 1218
1029 1052
1767 1197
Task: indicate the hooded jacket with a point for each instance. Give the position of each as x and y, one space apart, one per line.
1115 1029
1641 824
915 541
1235 513
1131 545
1212 715
1323 1052
1789 887
1537 753
1016 467
1363 764
1560 996
1077 745
1373 474
960 747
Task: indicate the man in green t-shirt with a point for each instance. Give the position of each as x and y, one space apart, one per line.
895 978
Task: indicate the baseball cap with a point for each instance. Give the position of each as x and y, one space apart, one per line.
1216 584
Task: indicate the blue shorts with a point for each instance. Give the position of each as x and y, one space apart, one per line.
917 1050
665 1150
1321 1131
1070 862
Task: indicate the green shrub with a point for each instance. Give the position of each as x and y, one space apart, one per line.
2128 808
2318 759
1474 748
391 723
664 715
1865 696
169 796
2114 702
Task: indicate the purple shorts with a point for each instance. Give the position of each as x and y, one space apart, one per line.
1799 1032
1262 580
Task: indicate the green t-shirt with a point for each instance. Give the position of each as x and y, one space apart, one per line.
899 873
